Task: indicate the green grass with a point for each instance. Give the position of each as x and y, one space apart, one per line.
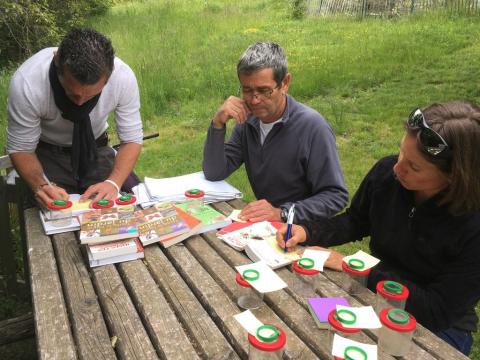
364 76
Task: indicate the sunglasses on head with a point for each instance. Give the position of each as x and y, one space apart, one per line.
432 142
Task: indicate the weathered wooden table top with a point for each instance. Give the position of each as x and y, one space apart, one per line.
177 303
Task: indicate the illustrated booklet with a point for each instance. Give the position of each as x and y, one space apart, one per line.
51 227
104 225
193 224
259 242
210 218
158 222
114 248
115 252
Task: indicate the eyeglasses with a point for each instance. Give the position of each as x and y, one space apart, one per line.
260 93
432 141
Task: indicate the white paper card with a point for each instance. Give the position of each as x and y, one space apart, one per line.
249 322
340 343
318 256
268 280
234 216
369 260
366 317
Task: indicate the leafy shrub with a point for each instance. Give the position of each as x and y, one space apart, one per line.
299 8
30 25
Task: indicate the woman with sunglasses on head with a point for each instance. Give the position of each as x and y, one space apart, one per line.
421 210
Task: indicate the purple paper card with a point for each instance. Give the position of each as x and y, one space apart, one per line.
323 306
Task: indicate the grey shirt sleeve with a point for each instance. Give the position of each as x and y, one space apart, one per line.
127 111
220 159
23 131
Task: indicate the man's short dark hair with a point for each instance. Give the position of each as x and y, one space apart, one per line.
87 54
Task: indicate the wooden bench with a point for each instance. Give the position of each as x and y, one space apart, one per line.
11 199
177 303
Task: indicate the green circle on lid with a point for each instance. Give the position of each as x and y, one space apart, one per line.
59 202
393 287
354 353
103 202
356 264
268 333
306 263
346 316
125 197
194 191
398 316
251 275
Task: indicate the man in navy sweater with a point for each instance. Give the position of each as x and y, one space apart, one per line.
288 149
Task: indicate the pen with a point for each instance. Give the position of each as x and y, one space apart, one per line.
291 214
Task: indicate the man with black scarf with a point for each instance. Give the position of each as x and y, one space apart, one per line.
58 104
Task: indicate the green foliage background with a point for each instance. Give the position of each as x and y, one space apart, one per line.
363 75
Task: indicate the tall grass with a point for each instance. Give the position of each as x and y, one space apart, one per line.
364 76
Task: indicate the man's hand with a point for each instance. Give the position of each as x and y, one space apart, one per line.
260 210
46 193
102 190
298 236
335 259
233 108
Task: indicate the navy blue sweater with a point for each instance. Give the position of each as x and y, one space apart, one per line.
436 255
297 163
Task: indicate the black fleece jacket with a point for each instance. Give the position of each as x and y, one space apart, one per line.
436 255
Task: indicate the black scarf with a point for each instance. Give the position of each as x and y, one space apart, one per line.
84 148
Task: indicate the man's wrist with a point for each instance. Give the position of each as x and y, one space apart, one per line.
217 124
283 214
37 188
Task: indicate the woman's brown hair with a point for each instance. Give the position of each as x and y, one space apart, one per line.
458 122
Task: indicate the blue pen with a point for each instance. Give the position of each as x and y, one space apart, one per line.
291 214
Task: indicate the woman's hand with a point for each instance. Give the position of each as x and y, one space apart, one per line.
335 259
298 236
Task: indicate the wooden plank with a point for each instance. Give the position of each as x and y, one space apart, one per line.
423 337
54 338
6 242
89 329
218 305
206 337
5 162
17 328
224 275
122 319
164 329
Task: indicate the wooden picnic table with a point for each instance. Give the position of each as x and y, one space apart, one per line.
177 303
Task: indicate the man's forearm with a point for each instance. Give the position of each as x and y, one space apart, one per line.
124 162
29 168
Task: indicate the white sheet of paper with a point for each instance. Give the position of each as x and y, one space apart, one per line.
234 216
340 343
318 256
248 321
173 186
366 317
268 280
369 260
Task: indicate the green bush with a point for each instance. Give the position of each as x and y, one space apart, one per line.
299 8
28 26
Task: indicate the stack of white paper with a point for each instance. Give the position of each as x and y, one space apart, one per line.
173 189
